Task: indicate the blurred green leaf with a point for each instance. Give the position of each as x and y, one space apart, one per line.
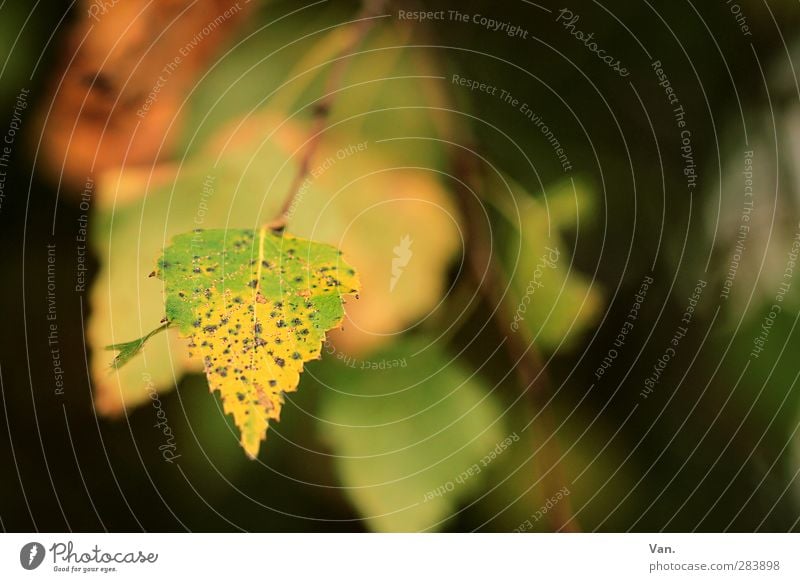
555 302
409 438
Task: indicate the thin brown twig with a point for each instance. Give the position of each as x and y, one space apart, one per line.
531 374
365 20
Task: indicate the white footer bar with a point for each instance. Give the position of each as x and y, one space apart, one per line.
401 557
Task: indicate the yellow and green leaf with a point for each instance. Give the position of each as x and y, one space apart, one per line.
255 306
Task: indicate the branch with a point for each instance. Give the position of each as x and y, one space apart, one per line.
533 379
365 20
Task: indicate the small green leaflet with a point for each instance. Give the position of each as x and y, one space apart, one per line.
255 305
128 350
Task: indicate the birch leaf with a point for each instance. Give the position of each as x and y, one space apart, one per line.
255 306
